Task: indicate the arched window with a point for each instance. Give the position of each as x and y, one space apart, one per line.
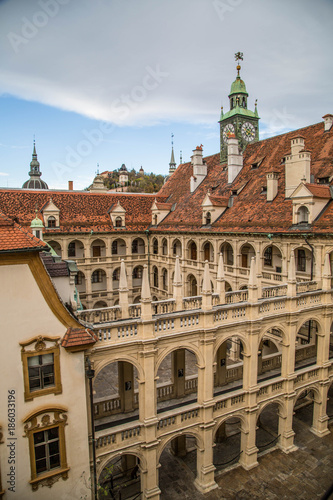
155 276
193 251
119 222
155 220
135 246
208 218
244 102
114 248
165 279
301 260
268 256
71 249
97 276
155 246
164 247
231 103
51 221
303 215
116 274
137 272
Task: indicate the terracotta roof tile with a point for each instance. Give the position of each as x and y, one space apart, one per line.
319 191
76 337
13 237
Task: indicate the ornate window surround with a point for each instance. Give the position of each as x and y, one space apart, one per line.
43 419
41 347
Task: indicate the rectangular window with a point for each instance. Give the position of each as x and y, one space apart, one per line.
47 450
41 371
41 367
114 248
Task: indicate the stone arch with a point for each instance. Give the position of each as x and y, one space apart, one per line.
192 288
303 214
192 250
228 253
118 247
100 364
309 388
193 349
164 246
306 339
273 332
155 246
303 260
272 258
224 418
279 401
228 287
98 248
138 246
247 251
75 248
104 461
100 304
166 440
241 336
176 248
207 251
56 247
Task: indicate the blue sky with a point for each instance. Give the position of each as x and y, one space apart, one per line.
107 82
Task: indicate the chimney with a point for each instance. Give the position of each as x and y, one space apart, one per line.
272 185
297 165
199 168
328 121
235 158
70 185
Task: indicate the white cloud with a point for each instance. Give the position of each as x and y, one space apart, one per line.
3 174
99 58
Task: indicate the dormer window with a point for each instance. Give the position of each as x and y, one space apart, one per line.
208 218
119 222
303 215
51 221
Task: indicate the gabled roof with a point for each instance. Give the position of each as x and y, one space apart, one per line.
76 339
250 212
319 191
79 211
13 237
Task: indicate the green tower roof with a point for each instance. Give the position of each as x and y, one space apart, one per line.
238 87
37 223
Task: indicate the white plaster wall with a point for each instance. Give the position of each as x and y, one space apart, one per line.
25 314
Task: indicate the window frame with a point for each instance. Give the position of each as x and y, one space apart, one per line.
51 221
41 349
44 420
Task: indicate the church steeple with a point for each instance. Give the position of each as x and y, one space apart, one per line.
239 120
172 164
35 182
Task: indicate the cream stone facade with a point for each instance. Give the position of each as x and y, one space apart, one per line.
34 323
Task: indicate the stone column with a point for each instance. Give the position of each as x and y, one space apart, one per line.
178 446
126 386
320 419
286 440
123 291
205 481
221 365
178 292
178 372
249 451
148 418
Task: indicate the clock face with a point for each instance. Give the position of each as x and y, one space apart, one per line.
248 131
228 129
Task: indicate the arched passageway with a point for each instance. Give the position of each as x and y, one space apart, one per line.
177 377
120 478
227 450
229 366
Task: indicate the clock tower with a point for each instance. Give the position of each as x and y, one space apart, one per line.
238 120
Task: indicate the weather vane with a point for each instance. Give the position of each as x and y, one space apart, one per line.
239 56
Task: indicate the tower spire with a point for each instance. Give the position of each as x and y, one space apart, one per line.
172 164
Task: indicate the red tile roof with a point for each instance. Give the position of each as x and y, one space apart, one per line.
13 237
249 211
79 211
319 191
76 337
